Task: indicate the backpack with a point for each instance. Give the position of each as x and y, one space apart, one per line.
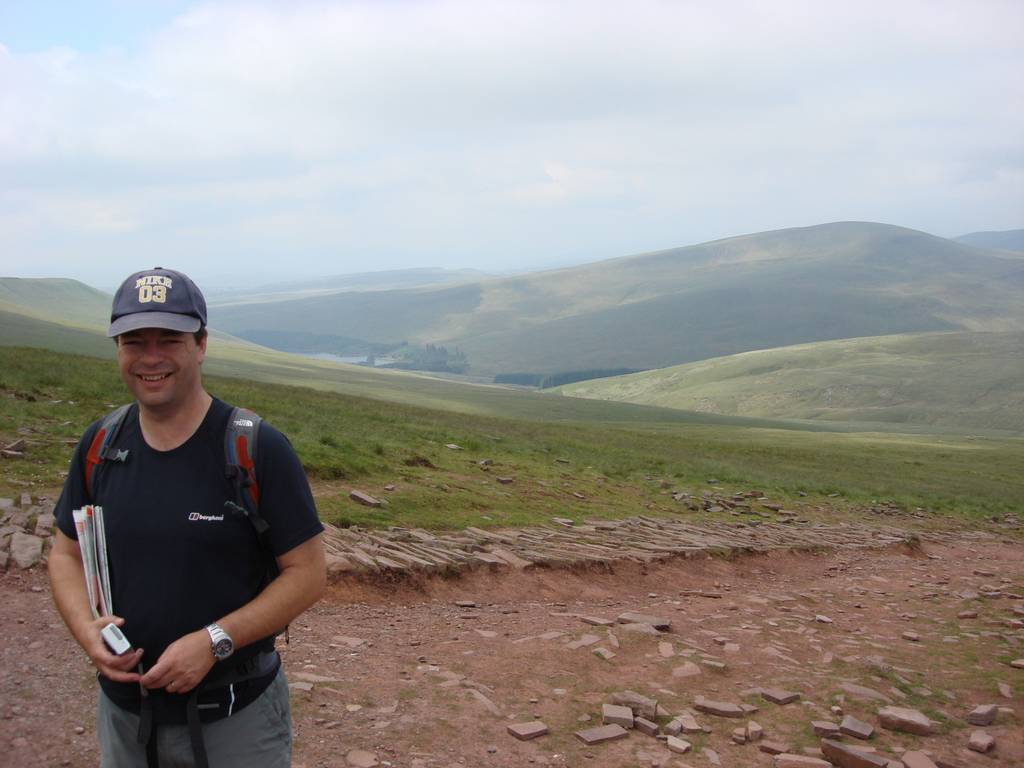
240 444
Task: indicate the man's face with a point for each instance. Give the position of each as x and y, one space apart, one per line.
161 368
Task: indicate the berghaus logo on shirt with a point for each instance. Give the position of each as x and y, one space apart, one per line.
207 518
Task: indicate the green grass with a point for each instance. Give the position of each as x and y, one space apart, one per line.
350 442
960 381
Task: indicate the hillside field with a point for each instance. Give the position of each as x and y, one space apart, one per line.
957 381
617 470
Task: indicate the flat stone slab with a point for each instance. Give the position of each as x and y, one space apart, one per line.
677 745
984 714
825 728
916 759
981 742
906 720
773 747
637 703
645 726
618 715
850 757
718 708
851 726
527 731
602 734
632 617
789 760
779 696
865 693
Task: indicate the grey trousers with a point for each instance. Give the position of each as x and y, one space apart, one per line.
260 736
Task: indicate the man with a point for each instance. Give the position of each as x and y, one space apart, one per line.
202 684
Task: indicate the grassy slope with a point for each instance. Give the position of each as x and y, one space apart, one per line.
55 300
951 380
757 291
347 442
236 358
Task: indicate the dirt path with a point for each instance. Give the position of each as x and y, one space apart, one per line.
402 672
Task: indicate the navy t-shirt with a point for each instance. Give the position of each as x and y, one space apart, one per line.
178 558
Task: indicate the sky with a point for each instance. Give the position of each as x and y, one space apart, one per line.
252 142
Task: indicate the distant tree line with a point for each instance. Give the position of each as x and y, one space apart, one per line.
429 357
548 380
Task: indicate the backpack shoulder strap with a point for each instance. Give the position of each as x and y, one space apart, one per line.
102 446
241 440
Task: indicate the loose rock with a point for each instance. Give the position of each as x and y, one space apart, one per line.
906 720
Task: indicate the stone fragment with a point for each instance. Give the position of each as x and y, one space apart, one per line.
631 617
363 498
911 636
1017 663
851 726
754 731
603 653
44 525
672 727
779 696
686 669
637 703
739 735
906 720
614 714
596 621
583 642
863 692
917 759
850 757
773 747
718 708
825 728
645 726
984 714
601 734
822 619
981 742
527 731
1004 690
465 604
689 723
677 745
967 615
666 650
360 758
789 760
26 550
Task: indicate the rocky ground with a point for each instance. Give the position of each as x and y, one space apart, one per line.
431 670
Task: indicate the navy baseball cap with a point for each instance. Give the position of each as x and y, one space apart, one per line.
157 298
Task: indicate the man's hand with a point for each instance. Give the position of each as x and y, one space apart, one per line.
116 668
183 665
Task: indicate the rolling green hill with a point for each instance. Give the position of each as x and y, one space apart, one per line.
955 381
756 291
235 358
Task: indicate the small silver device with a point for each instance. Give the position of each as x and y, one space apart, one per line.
115 639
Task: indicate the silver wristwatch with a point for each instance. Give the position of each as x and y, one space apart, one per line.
220 642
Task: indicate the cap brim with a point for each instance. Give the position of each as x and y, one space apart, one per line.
166 320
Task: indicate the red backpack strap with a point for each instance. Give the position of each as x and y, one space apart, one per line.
240 444
101 447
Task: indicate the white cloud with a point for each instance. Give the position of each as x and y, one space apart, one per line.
347 136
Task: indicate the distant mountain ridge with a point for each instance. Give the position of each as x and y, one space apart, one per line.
759 291
1006 240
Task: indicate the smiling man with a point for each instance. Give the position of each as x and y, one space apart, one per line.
201 585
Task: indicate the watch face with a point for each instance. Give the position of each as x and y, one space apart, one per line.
222 648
